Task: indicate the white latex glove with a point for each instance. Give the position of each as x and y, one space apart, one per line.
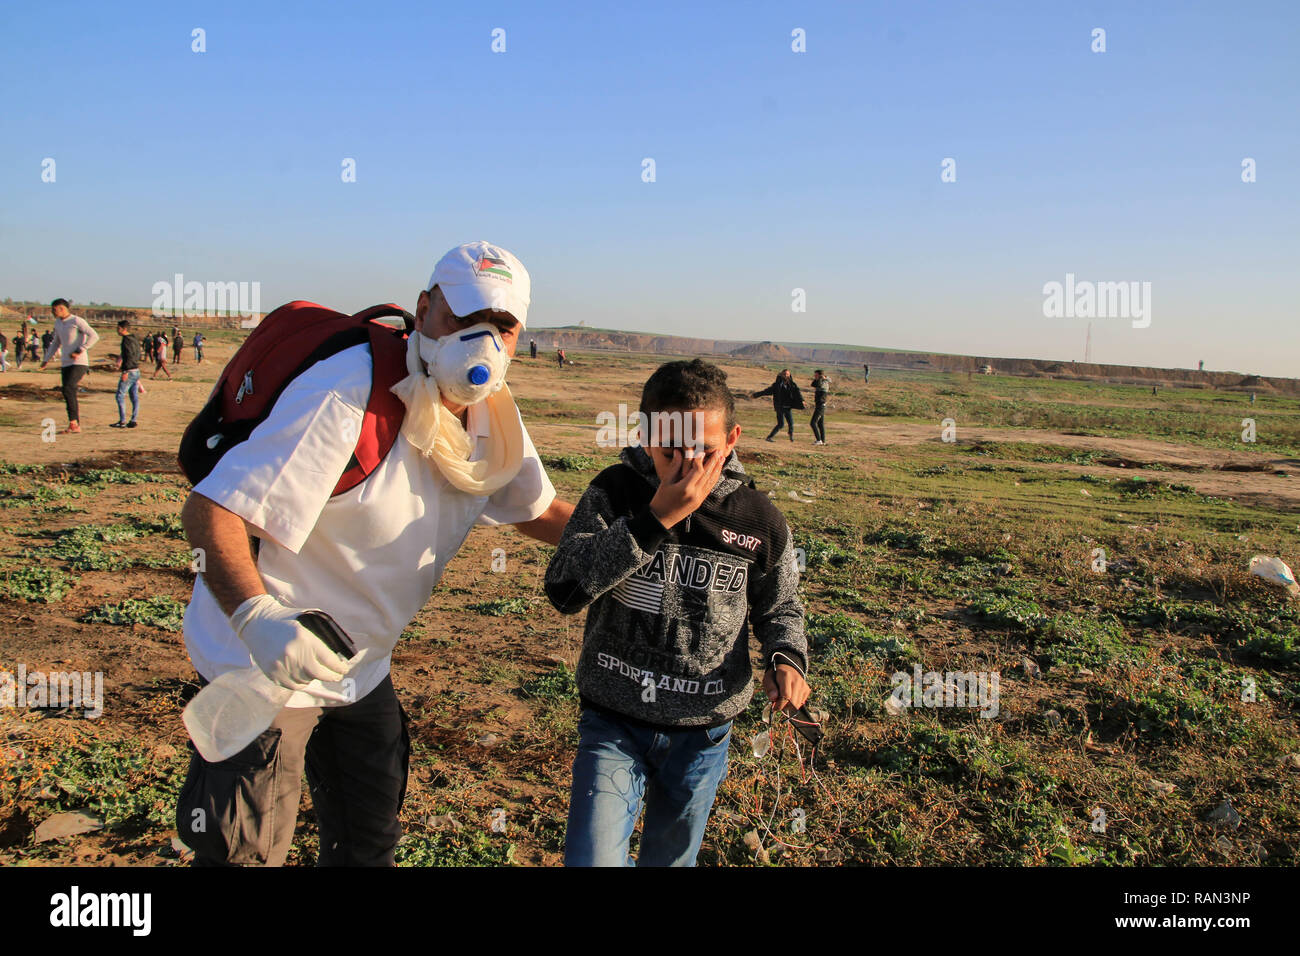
287 652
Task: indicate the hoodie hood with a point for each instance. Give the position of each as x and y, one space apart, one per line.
733 472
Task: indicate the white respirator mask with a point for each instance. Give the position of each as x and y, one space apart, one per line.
468 365
468 368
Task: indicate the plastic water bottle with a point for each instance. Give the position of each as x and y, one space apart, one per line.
235 709
231 712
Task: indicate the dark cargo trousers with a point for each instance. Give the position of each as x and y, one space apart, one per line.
243 811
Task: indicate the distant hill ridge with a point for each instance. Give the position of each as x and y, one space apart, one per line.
766 353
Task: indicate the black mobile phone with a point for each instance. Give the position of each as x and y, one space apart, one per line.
808 728
328 630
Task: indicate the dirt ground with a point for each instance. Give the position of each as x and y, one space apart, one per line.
458 671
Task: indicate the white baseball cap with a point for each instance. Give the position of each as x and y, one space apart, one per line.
479 275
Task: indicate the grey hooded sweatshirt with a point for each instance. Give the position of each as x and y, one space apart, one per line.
666 641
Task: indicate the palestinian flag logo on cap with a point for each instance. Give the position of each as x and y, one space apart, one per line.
493 266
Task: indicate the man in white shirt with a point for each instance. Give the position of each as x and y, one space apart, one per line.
370 557
73 338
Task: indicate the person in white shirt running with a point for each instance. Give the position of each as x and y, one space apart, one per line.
370 557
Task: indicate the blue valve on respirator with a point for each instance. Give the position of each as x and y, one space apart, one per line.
479 375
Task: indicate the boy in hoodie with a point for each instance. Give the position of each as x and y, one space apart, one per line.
677 556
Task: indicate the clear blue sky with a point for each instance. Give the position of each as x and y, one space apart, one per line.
775 170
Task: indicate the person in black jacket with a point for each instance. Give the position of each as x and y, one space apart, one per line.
820 386
785 396
129 380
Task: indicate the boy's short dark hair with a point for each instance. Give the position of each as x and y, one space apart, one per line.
124 324
687 385
58 302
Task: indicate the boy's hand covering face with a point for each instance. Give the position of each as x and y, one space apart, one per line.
688 474
689 483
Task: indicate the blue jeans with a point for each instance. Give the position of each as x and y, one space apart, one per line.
621 765
130 384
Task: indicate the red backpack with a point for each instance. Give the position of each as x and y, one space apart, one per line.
285 344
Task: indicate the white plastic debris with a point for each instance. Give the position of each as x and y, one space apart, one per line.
444 821
894 707
1272 570
1223 816
755 846
60 826
182 852
762 743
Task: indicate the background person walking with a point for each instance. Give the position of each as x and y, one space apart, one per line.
160 356
129 382
73 339
785 397
820 387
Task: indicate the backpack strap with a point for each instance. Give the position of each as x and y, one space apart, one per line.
387 311
384 411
